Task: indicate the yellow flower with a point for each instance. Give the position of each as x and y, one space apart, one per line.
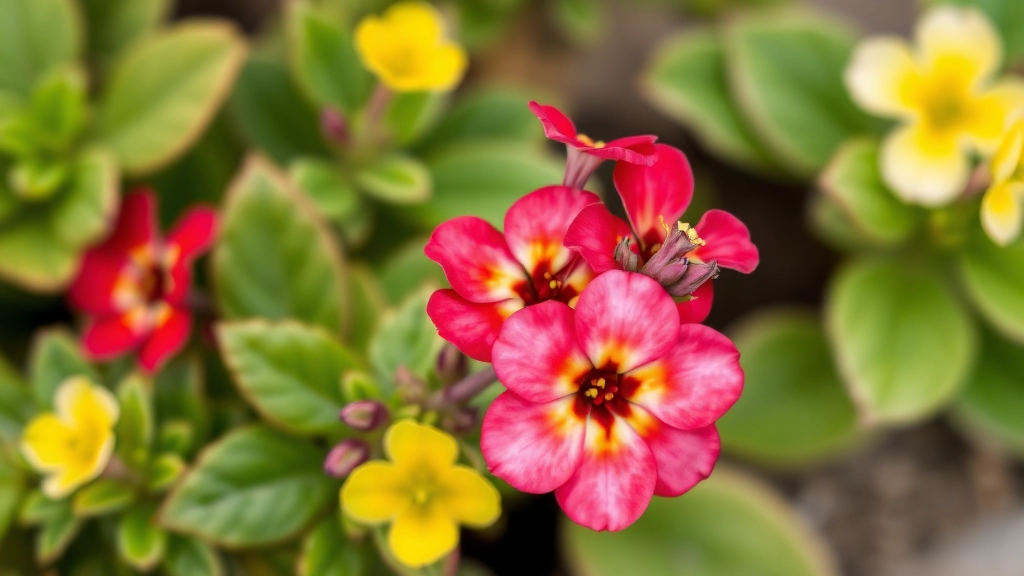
944 96
406 48
73 445
1002 212
421 492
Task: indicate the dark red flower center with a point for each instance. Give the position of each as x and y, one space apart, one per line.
546 285
154 284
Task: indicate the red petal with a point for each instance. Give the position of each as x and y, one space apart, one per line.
136 224
180 284
194 232
615 481
625 320
557 126
471 327
594 234
535 226
534 447
167 339
653 193
476 260
691 386
683 457
537 355
92 290
696 309
727 240
110 336
632 149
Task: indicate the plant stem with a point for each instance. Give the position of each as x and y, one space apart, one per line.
462 391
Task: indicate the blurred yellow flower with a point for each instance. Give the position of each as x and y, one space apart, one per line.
421 492
407 49
943 94
73 445
1002 212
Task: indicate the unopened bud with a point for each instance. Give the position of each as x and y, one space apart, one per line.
333 126
364 415
410 387
625 256
460 421
345 457
452 365
671 266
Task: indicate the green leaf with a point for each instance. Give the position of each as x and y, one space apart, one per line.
116 25
406 337
994 280
852 179
326 551
164 93
582 19
56 533
396 179
55 357
140 541
786 74
410 114
728 524
902 341
688 81
289 372
36 36
367 305
191 557
295 272
1006 15
324 60
483 180
16 403
272 114
833 225
794 408
336 198
134 429
991 404
407 270
163 472
37 509
492 115
58 109
12 488
179 398
254 487
86 212
102 497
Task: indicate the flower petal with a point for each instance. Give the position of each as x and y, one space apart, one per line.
537 354
1002 212
615 480
1009 156
696 309
625 320
414 446
179 284
476 260
535 227
632 149
375 492
168 338
557 126
651 194
193 234
471 327
692 385
45 442
110 336
534 447
963 38
422 535
991 114
683 457
594 234
92 290
136 224
881 75
924 166
69 478
727 240
469 498
86 404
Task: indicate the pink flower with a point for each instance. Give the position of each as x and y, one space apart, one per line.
610 403
494 274
584 154
134 285
655 197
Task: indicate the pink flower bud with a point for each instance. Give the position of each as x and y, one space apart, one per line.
333 126
452 365
364 415
345 457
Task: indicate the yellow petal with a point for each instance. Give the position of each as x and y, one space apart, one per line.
469 498
415 22
962 39
447 66
923 166
1007 158
415 447
992 113
881 77
375 492
78 472
1001 212
79 402
46 443
422 534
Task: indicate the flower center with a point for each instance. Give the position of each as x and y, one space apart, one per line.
153 284
599 386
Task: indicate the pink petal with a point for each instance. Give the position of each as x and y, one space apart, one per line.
653 193
557 126
683 457
476 260
179 284
594 234
632 149
471 327
535 226
136 224
615 481
92 290
625 320
727 240
194 233
692 385
110 336
696 309
533 447
537 355
167 339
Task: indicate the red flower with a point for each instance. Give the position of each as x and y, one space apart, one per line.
134 286
494 274
653 196
584 154
610 403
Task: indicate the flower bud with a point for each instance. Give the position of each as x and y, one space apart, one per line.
364 415
345 457
460 421
625 256
410 387
452 365
671 267
333 126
